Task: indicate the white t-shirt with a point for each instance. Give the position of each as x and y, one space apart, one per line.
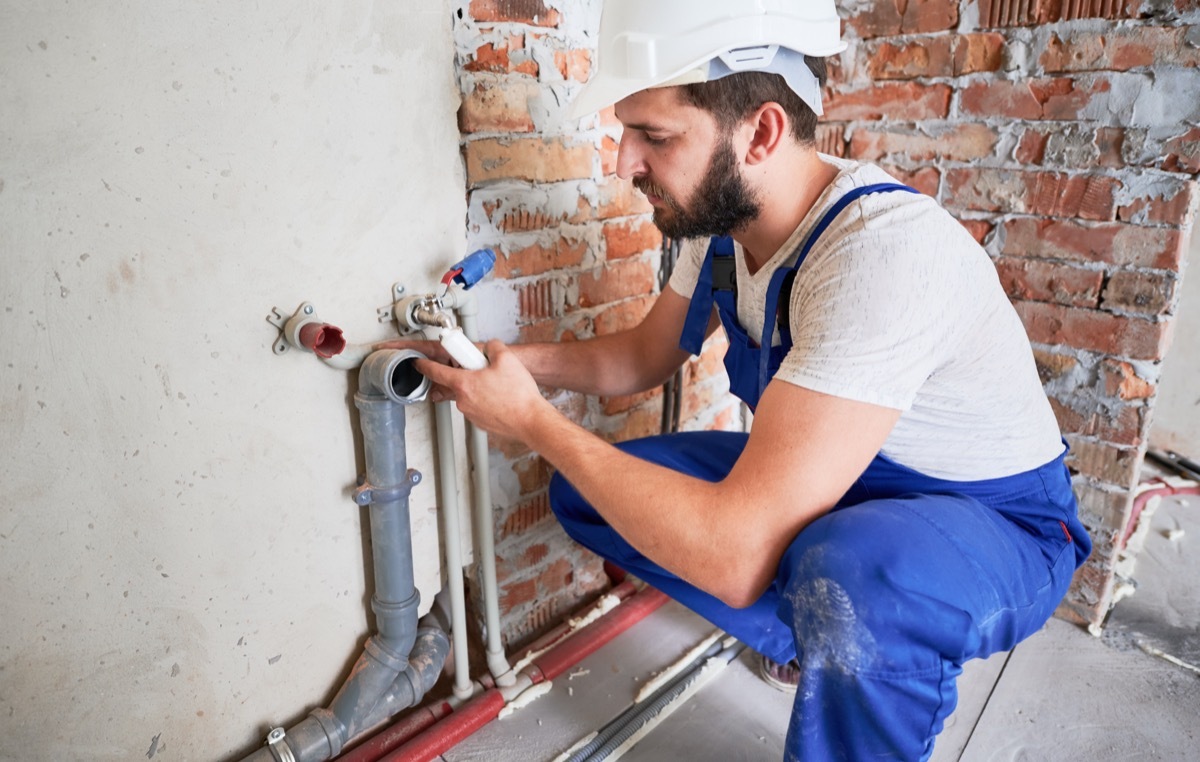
898 306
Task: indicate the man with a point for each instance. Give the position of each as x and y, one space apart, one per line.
901 504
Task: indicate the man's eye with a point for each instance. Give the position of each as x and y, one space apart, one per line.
655 141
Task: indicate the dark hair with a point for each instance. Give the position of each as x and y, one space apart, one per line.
735 97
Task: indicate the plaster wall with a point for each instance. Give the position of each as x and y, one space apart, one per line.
1177 417
181 565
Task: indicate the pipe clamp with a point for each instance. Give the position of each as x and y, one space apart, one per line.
366 493
279 748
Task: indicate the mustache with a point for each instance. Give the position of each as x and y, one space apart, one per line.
651 188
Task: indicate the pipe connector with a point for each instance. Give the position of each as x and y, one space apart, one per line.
368 494
392 373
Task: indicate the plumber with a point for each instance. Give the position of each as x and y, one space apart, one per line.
900 505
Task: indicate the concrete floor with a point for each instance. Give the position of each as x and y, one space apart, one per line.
1061 695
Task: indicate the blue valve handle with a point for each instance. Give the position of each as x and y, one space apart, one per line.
473 268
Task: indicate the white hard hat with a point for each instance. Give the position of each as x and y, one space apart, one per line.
657 43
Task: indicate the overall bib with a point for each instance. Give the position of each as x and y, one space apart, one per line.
883 598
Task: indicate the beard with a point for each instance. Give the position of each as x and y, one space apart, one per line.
722 204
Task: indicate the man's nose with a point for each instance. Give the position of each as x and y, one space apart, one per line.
630 162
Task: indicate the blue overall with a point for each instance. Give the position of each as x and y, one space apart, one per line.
883 598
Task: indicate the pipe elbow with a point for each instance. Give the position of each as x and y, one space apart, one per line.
392 373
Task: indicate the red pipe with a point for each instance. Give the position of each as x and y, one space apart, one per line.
1139 504
323 339
442 737
384 741
485 707
591 638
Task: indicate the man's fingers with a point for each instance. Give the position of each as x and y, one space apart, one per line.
435 371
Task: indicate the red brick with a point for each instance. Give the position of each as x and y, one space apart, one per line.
624 239
533 474
1146 293
1051 194
831 139
623 404
962 142
499 60
515 594
1033 99
974 53
1125 426
538 258
908 101
533 12
524 516
1183 153
616 281
698 399
498 108
1052 366
1040 281
616 198
536 160
1118 49
892 17
640 422
541 299
1110 142
622 316
1171 203
608 155
574 64
1120 379
1005 13
979 229
1097 331
1104 462
1117 244
710 363
1032 147
927 57
926 180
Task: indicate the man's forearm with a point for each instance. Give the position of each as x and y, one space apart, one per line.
603 366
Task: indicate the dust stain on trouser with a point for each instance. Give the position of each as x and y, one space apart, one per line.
883 598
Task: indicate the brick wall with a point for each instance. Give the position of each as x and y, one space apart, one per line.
1066 137
578 250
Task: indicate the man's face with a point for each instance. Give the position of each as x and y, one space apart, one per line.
679 157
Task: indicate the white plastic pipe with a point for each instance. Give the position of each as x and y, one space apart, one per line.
447 474
485 538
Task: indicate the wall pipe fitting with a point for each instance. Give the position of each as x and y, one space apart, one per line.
400 663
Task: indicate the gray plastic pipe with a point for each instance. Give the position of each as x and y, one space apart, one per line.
402 661
448 489
468 311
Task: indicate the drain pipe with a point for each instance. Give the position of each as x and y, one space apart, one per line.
402 661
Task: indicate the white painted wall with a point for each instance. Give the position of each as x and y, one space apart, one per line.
1177 414
179 556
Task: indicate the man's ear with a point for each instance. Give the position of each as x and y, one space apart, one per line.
770 128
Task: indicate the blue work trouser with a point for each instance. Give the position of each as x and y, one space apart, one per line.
883 598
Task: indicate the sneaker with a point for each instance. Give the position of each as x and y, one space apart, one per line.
783 677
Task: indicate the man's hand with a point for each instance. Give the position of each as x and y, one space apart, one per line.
502 399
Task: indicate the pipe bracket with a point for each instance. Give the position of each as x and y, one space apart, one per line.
279 747
367 494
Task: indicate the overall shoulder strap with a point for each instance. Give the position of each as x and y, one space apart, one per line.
777 307
695 325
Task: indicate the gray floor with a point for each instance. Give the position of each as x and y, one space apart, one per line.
1061 695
